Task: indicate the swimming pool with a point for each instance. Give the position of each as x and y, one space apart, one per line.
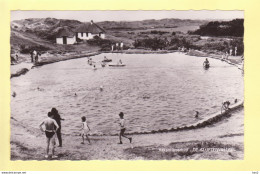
155 91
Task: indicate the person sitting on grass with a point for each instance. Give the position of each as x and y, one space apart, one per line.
122 129
50 131
84 129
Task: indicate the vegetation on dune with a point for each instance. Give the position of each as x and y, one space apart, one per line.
179 40
28 49
226 28
104 44
40 34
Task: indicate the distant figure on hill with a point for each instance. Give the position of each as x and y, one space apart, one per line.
51 127
226 55
230 51
94 67
112 47
57 118
222 57
84 130
37 57
122 129
13 60
235 51
31 53
121 45
17 57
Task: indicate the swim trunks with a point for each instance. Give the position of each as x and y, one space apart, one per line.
122 131
49 134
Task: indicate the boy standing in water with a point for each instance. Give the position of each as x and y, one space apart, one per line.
50 131
85 129
122 128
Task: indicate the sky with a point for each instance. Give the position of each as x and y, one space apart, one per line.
98 16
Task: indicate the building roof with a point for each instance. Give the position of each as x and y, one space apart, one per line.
90 28
65 31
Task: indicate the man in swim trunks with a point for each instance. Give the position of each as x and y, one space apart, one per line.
50 131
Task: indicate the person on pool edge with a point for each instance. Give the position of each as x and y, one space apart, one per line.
57 118
51 128
122 129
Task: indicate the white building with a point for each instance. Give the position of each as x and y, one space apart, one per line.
65 37
89 31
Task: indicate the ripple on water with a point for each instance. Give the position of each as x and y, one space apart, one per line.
153 94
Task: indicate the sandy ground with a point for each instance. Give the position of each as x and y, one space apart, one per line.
223 140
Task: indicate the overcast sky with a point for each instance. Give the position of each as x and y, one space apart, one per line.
86 16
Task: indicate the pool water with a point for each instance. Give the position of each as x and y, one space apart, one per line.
155 91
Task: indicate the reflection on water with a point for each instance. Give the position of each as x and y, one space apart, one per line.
154 91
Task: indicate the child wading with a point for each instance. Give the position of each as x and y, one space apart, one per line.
85 129
122 128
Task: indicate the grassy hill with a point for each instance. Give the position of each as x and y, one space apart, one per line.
225 28
40 33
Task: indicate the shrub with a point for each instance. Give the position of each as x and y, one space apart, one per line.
225 28
27 49
152 43
105 44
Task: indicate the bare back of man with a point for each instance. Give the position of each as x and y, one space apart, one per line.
50 130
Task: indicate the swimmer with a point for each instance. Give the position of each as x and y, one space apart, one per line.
197 114
40 89
14 94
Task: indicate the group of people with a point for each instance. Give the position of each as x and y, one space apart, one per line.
117 46
229 53
52 129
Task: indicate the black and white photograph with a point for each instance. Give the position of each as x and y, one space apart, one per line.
127 85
